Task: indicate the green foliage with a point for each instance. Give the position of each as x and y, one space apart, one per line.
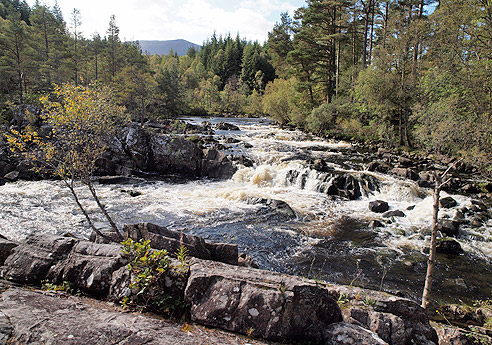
64 286
184 263
146 266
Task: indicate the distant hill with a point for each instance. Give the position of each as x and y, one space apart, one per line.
164 47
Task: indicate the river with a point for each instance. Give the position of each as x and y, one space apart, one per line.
329 239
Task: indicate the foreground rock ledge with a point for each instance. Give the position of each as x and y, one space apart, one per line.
260 303
39 317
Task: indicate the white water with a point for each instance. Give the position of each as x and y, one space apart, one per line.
221 206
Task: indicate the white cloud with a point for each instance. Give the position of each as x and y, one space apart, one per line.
194 20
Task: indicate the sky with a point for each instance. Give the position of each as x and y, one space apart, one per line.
192 20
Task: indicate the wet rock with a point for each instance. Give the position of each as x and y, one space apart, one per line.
245 260
272 305
477 222
376 224
225 126
349 334
378 206
6 247
243 160
395 213
170 240
450 247
175 155
120 180
46 317
479 205
448 227
320 165
12 176
411 207
279 206
447 202
346 186
215 164
378 167
426 179
405 173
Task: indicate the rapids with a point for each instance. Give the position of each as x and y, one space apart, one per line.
330 238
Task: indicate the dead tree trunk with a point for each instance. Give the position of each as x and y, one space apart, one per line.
435 216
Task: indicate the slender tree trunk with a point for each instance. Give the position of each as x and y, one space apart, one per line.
385 23
103 209
367 13
371 32
432 253
71 187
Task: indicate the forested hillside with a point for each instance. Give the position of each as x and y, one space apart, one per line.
406 73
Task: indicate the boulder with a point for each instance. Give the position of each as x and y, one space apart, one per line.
225 126
279 206
343 333
395 213
426 179
448 227
89 267
405 162
447 202
378 206
346 186
264 304
170 240
450 247
378 167
6 247
171 154
12 176
215 164
405 173
396 320
458 336
376 224
30 262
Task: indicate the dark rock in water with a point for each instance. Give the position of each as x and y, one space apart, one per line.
448 227
410 208
405 173
120 180
477 222
170 240
450 247
230 140
480 205
447 202
376 224
175 155
426 179
378 167
224 126
271 305
215 164
246 261
131 192
346 186
395 213
378 206
12 176
279 206
243 160
320 165
349 334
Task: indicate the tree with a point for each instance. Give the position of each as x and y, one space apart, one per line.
82 121
76 22
113 45
440 183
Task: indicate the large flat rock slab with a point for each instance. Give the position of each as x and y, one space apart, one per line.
265 304
38 317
